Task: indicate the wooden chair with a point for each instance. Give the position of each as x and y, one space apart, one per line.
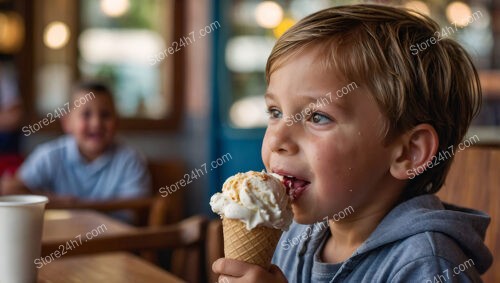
155 210
188 235
474 182
214 247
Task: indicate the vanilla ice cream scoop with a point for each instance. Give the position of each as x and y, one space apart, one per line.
255 198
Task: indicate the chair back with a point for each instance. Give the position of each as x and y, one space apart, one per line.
214 247
168 207
189 235
474 182
153 211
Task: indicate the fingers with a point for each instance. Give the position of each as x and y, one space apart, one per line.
223 279
231 267
233 271
275 270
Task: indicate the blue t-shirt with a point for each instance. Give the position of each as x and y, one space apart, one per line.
59 168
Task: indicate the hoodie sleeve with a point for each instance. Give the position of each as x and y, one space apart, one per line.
435 269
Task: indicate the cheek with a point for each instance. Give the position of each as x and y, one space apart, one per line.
265 152
352 169
79 125
334 166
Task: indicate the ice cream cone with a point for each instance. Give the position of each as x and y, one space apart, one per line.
255 208
254 246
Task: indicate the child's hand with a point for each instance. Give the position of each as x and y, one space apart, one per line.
9 185
235 271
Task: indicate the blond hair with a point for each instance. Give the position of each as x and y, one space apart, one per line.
370 44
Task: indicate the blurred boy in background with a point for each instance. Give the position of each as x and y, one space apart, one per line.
87 164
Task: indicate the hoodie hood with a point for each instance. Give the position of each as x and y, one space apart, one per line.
428 214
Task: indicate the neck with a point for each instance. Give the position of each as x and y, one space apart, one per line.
355 232
351 232
90 156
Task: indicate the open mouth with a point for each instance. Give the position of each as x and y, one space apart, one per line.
295 187
95 136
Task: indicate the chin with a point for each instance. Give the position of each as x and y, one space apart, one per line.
98 144
301 215
95 149
304 220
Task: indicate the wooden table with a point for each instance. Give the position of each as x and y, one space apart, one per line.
65 225
109 267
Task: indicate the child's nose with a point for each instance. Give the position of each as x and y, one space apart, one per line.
95 120
281 139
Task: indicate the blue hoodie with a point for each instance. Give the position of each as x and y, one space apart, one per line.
420 240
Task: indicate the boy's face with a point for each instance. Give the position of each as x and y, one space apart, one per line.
335 153
93 123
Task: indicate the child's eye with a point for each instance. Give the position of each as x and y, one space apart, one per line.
105 114
274 113
318 118
86 114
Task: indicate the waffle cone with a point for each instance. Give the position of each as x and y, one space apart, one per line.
255 246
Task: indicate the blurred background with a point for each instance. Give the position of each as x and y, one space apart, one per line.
188 75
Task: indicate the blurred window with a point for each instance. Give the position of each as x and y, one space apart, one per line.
122 42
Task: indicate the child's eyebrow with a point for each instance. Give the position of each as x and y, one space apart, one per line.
324 99
268 95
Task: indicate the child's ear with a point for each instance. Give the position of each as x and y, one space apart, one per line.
414 152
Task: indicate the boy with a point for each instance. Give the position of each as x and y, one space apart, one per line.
348 160
87 164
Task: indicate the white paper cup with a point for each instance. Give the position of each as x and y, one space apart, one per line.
21 223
